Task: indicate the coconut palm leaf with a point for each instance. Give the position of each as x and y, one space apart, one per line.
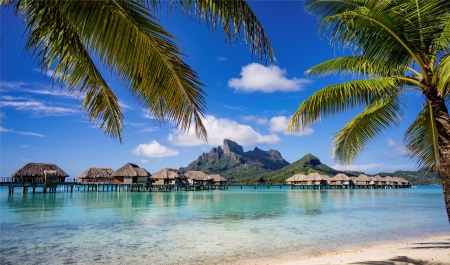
47 21
442 76
356 65
356 135
232 15
339 98
125 38
421 140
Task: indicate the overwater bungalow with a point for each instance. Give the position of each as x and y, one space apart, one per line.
326 179
404 182
168 176
380 180
361 181
388 180
318 179
131 173
373 181
297 179
97 175
35 173
198 177
340 179
219 180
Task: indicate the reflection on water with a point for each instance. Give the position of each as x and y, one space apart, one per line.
208 226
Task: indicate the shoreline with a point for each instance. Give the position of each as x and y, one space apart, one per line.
433 250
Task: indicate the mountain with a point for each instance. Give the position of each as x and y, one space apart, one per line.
235 164
307 164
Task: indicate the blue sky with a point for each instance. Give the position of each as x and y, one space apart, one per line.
247 101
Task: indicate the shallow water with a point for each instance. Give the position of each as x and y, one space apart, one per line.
208 226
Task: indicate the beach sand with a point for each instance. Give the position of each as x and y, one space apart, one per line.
427 251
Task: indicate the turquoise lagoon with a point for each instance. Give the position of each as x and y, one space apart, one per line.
205 227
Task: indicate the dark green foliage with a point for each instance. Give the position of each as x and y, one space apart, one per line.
416 177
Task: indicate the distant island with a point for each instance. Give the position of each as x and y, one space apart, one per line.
269 166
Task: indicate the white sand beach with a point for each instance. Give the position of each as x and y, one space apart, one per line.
426 251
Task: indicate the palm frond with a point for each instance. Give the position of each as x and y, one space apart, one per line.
441 76
146 60
236 18
357 65
339 98
421 140
47 21
356 135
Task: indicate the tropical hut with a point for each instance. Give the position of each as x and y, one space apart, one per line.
219 180
326 180
395 181
361 180
316 178
131 173
340 179
97 175
389 180
35 172
373 181
404 182
198 177
168 176
380 180
296 179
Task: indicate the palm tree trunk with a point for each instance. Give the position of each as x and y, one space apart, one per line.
442 118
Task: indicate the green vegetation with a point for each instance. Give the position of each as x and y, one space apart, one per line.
80 39
416 177
399 46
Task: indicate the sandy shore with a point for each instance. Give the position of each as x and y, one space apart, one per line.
427 251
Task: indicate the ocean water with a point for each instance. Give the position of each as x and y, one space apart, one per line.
208 227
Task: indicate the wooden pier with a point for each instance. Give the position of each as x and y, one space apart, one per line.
103 186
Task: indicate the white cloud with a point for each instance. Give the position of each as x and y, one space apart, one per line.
249 118
221 59
6 97
147 129
36 88
143 161
258 78
30 134
25 160
375 168
153 149
21 133
219 129
124 106
24 146
399 147
262 121
5 130
39 108
280 124
2 115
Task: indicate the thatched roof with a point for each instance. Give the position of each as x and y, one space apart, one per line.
97 172
131 170
299 177
37 170
379 178
314 176
396 179
362 177
168 173
388 178
197 175
341 177
217 177
402 180
327 178
372 178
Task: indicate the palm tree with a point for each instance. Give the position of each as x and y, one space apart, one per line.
398 46
76 38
